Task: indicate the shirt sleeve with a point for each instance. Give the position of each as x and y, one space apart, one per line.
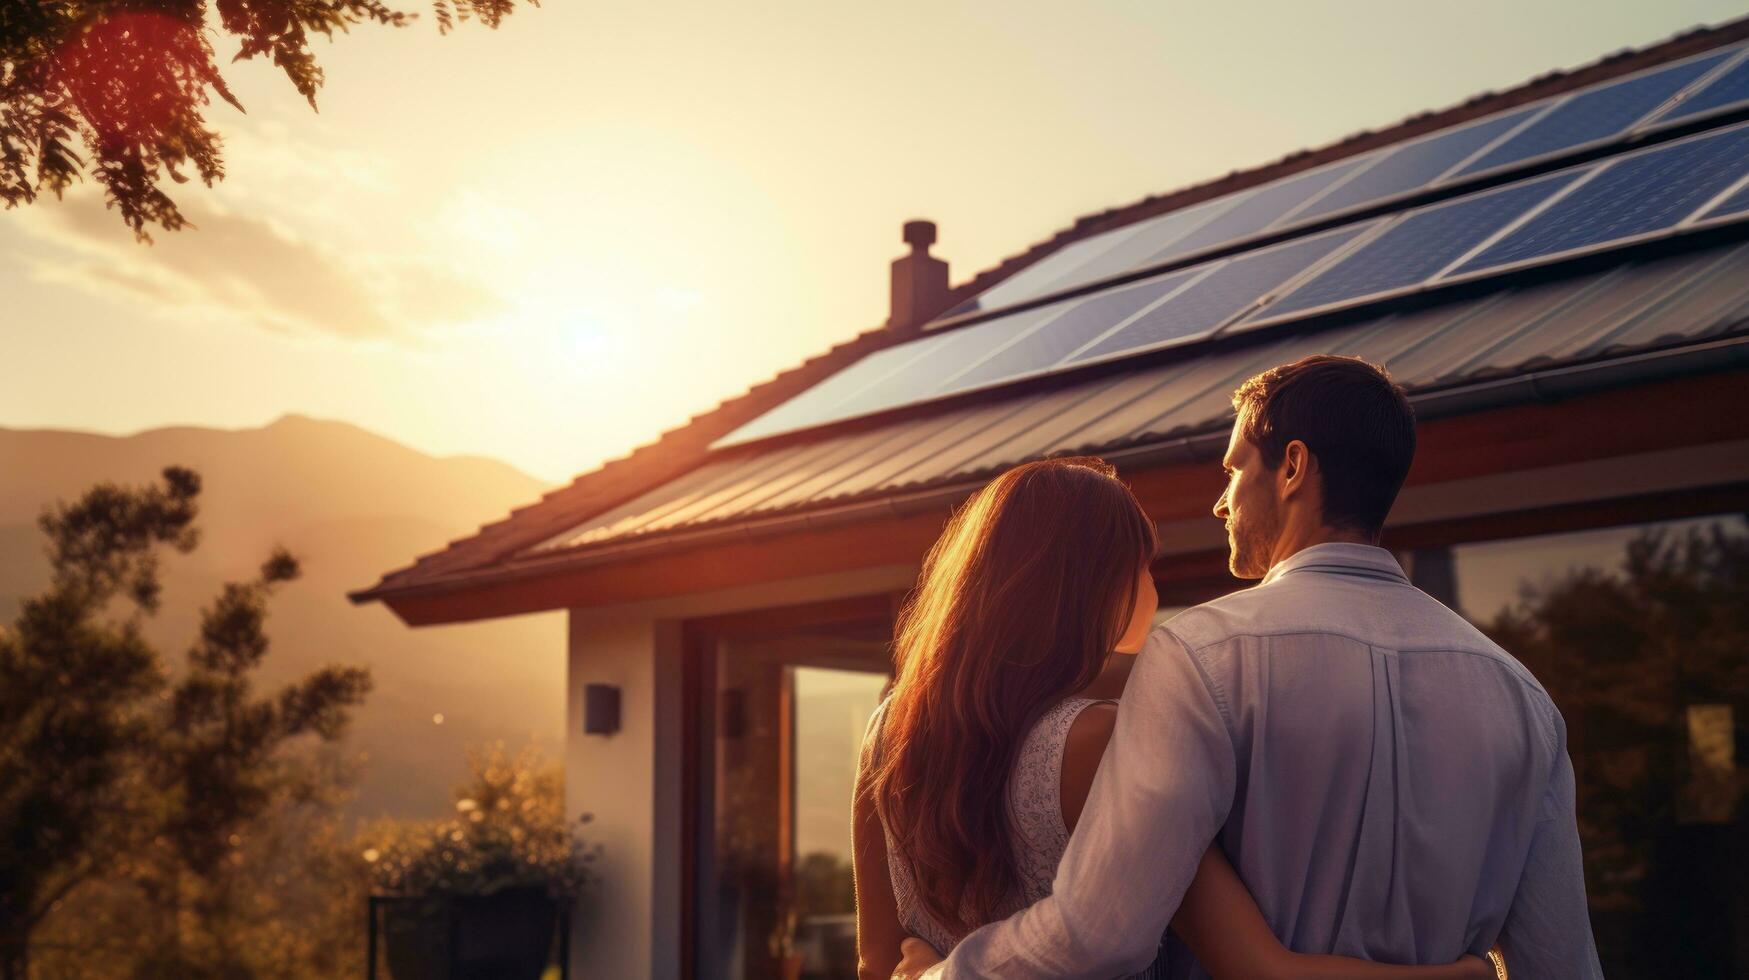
1162 792
1547 932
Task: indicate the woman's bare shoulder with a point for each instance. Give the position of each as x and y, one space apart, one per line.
1085 746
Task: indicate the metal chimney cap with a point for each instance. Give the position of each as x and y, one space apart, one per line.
920 233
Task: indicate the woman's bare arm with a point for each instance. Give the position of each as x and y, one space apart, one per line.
878 932
1218 918
1221 924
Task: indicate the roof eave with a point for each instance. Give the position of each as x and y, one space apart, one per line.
419 604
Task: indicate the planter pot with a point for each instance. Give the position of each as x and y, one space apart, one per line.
415 937
504 936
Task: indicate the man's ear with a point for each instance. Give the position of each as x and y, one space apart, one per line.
1296 467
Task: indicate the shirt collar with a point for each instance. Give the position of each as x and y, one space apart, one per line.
1341 558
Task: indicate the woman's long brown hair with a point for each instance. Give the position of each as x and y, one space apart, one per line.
1018 606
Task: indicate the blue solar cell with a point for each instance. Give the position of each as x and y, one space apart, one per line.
1728 89
1634 195
1420 245
1151 237
820 402
1086 319
952 351
1414 165
1111 253
1230 288
1735 204
1263 208
1042 276
1596 113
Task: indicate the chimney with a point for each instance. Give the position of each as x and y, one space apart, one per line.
919 280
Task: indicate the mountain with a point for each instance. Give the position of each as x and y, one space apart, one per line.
350 504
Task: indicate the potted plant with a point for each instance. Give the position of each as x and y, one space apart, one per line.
479 895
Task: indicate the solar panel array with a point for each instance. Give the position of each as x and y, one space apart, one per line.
1594 114
1703 178
1562 124
1610 203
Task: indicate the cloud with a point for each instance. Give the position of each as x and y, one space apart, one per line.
238 264
423 293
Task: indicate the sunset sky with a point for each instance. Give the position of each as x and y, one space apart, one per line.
551 242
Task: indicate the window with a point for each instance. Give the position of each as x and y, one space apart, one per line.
1641 636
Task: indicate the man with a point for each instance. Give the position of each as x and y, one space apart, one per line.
1389 783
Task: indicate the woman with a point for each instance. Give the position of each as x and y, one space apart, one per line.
976 768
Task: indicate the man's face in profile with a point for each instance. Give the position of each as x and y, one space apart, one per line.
1248 506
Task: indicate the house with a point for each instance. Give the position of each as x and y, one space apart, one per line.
1558 273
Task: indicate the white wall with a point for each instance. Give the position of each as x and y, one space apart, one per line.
629 782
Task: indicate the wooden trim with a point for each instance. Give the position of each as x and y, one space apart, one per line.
1623 421
790 619
697 718
1642 509
1189 579
786 792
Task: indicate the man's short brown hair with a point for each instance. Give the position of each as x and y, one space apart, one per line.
1353 418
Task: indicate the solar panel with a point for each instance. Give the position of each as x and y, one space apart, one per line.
1152 238
1419 245
1596 113
1037 279
1729 88
1084 322
819 402
953 351
1632 195
1213 300
1267 205
1414 165
1737 203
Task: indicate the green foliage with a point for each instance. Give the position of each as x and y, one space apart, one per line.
509 831
131 83
109 769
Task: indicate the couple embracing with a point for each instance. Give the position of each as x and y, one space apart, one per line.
1323 775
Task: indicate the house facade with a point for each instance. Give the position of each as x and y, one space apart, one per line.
1558 274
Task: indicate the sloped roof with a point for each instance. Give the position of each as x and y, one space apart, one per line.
1637 307
622 482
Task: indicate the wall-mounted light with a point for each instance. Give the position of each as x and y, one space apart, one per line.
600 709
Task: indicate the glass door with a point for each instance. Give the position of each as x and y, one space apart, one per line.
829 709
776 767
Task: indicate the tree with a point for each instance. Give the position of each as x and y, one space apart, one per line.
286 903
105 759
131 83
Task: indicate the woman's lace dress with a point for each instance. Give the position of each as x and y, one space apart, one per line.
1034 802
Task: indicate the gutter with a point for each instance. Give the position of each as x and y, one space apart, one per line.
1545 386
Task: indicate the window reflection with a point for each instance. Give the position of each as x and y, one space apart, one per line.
832 708
1641 636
